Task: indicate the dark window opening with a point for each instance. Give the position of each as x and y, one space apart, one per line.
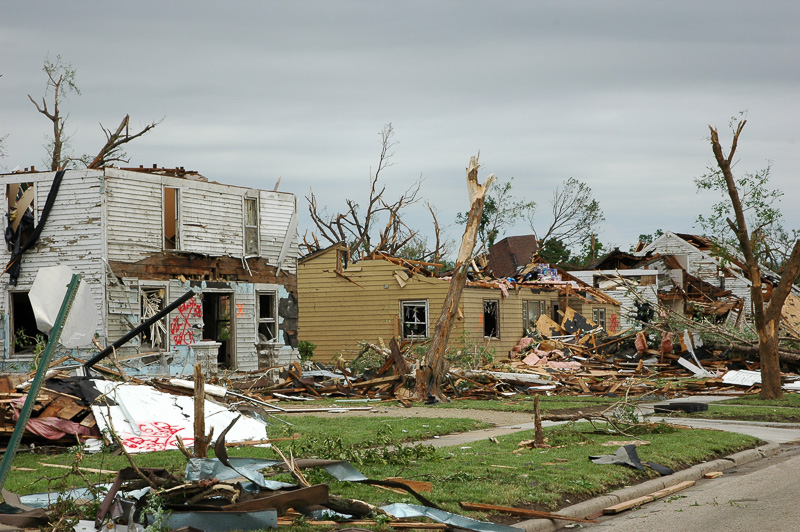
342 258
26 337
250 226
491 319
171 217
415 319
152 302
217 325
267 317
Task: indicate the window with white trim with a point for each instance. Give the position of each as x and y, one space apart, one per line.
267 317
414 317
251 226
171 218
599 317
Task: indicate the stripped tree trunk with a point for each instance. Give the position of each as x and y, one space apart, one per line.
434 367
767 316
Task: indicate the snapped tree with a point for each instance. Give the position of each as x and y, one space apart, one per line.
754 209
434 367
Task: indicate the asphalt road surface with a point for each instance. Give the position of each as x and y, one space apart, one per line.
760 496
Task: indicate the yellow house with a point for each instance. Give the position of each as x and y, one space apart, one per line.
342 303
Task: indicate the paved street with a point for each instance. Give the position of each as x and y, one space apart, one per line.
759 496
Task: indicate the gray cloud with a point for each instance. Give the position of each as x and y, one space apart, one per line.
617 94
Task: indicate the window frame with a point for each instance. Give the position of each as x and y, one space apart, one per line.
496 303
271 321
415 303
252 227
526 311
176 246
599 317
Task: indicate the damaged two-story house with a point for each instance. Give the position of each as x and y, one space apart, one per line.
143 237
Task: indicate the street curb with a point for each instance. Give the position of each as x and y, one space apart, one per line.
696 472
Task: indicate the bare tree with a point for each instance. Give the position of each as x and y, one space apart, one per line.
576 214
767 315
379 226
60 82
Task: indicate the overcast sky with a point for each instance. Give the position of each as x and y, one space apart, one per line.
617 94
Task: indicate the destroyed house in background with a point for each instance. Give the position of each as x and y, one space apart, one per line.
697 256
680 272
141 238
343 302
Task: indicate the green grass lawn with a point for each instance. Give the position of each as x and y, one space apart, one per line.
481 471
789 399
771 414
524 403
347 432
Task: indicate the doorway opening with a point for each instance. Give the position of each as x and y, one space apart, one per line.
217 325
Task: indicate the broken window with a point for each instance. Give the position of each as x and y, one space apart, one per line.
26 338
171 218
20 212
251 226
415 319
599 317
152 302
531 310
491 318
342 258
267 317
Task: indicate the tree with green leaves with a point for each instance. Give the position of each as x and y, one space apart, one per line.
500 210
749 215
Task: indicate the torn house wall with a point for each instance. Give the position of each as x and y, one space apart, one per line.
373 298
72 236
621 291
703 265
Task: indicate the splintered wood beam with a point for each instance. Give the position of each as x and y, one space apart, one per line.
522 512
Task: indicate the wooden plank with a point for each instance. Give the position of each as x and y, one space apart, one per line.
713 474
633 503
621 507
522 512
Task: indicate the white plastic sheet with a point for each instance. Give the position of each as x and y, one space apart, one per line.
47 295
147 420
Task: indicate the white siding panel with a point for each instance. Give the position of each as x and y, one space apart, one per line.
212 221
134 212
276 215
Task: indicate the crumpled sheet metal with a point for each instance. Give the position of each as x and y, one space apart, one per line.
223 521
400 510
208 468
627 456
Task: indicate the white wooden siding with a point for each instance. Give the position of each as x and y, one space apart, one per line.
134 217
212 220
72 235
277 209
